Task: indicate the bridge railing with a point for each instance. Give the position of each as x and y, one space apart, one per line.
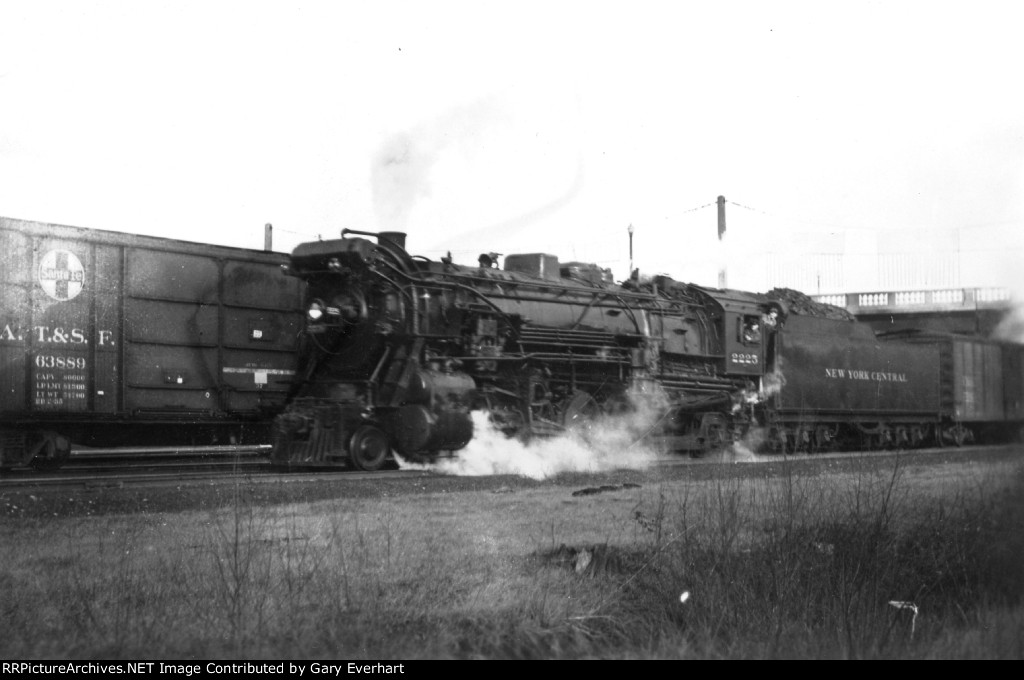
909 301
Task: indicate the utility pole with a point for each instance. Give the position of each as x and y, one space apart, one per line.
721 233
630 230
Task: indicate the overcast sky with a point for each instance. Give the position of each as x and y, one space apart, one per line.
523 126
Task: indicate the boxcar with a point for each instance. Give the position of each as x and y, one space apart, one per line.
1013 376
109 338
982 386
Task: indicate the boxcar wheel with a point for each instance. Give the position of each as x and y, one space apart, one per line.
960 435
52 452
368 448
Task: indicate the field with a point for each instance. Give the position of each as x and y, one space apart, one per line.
893 557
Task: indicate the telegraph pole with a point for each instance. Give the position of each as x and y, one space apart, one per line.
630 230
721 233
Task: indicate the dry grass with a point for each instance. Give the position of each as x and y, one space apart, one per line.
786 566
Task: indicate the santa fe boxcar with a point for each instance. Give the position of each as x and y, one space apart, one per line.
112 339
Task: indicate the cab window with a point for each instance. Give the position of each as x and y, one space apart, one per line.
750 330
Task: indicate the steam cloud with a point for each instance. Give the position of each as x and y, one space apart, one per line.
1011 327
403 166
612 442
489 135
400 174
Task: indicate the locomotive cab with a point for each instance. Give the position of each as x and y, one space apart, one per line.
744 349
745 335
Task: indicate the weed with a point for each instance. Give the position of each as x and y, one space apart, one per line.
861 565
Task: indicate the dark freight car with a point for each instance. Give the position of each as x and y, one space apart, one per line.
1013 375
982 383
110 338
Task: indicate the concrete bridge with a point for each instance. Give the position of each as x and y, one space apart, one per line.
975 311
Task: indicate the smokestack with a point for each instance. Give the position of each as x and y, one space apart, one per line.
268 237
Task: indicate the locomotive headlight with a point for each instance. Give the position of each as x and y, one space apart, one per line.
315 311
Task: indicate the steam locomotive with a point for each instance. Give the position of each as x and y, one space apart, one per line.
398 351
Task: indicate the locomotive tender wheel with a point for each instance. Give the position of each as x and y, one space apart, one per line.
804 440
368 448
823 440
878 438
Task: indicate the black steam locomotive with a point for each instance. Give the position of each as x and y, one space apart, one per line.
398 351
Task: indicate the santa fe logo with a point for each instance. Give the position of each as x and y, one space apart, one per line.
61 275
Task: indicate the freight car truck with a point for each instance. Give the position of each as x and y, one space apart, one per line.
111 339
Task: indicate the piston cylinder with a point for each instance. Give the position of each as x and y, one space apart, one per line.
415 430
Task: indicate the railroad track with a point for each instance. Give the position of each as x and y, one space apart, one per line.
106 468
91 480
105 465
150 454
118 467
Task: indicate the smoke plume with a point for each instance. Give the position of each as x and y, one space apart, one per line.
612 442
1011 326
403 166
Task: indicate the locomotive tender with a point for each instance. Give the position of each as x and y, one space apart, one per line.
111 339
398 351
